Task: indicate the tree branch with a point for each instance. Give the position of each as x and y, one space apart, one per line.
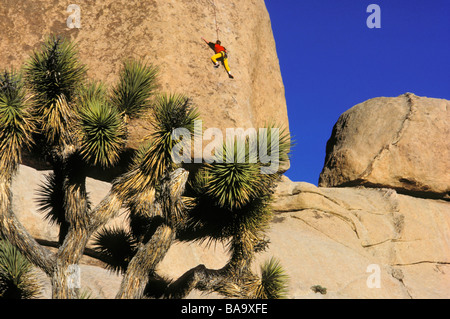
17 235
144 262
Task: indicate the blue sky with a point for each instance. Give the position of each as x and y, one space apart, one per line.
330 61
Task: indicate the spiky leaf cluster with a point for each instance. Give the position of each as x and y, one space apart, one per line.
170 112
117 247
54 70
233 185
137 84
101 128
50 198
17 279
54 73
154 158
274 281
230 196
16 125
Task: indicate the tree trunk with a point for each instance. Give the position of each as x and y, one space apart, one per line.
144 262
200 278
65 281
235 279
65 278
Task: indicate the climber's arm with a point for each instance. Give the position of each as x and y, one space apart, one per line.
210 44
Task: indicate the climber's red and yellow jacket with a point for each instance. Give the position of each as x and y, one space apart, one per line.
217 47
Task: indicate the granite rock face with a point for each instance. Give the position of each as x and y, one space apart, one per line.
168 35
343 238
397 142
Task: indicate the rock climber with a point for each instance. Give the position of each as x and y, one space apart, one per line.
221 54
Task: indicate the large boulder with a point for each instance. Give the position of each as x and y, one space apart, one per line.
340 238
397 142
167 34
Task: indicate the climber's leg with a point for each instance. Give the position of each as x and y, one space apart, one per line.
225 63
227 67
214 59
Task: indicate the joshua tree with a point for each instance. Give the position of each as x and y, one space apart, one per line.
72 124
231 203
75 124
226 202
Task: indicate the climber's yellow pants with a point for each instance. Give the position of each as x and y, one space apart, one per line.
225 60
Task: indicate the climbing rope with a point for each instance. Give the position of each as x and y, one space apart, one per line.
215 17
